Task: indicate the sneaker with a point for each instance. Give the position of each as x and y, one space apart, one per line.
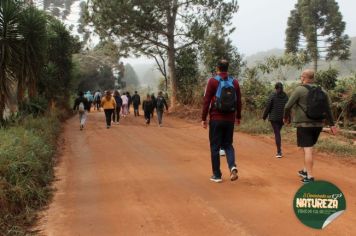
108 126
302 173
215 179
279 155
222 152
233 175
307 180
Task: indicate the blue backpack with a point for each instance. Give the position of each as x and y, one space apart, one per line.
225 101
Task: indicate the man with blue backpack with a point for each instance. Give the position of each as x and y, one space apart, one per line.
222 100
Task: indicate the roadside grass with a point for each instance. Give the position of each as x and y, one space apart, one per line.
27 151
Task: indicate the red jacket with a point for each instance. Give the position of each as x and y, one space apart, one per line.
209 99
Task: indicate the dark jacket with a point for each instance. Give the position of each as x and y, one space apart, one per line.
136 100
118 101
209 99
161 100
78 100
147 105
275 106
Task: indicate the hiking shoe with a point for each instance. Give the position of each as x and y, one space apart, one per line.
279 155
307 180
222 152
302 173
233 174
216 179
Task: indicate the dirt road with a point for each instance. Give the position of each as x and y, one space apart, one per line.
137 180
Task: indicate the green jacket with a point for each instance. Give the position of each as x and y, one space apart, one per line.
298 101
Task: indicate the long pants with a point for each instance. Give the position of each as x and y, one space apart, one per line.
136 110
148 117
124 110
97 104
159 116
82 117
277 126
108 115
116 114
221 135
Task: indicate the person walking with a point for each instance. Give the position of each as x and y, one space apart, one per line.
274 111
109 104
136 101
160 105
82 105
154 103
129 101
116 113
125 105
147 107
222 100
90 98
311 105
97 100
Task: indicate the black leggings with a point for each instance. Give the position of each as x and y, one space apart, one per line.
108 115
277 126
116 114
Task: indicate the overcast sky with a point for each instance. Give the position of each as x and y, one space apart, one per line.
260 24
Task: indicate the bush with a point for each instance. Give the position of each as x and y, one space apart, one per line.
26 171
253 123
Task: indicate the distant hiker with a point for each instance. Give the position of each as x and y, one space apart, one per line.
109 104
90 98
154 102
129 101
223 97
147 107
160 105
116 113
136 102
274 111
97 100
82 105
125 105
311 105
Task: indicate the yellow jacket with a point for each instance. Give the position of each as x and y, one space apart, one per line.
108 104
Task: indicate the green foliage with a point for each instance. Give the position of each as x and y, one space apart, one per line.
158 28
253 123
218 46
26 170
255 94
330 145
320 24
187 75
327 78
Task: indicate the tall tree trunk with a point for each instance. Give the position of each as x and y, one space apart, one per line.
172 74
315 61
2 107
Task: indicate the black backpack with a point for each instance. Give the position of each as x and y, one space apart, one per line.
160 103
317 103
225 95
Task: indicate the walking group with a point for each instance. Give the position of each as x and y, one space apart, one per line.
116 106
222 102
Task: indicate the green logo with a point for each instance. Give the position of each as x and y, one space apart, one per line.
318 203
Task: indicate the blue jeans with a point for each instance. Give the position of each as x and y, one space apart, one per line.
221 136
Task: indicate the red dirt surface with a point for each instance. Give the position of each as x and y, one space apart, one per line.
137 180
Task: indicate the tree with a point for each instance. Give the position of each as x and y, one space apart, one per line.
316 28
327 78
10 49
187 75
218 46
170 25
